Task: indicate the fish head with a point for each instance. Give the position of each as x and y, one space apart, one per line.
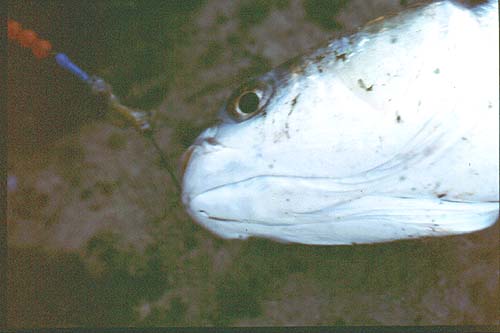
368 139
254 169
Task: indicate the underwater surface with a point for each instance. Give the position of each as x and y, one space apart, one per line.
97 234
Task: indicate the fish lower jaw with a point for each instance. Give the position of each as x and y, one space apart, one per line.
367 219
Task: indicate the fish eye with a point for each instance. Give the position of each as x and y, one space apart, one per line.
249 100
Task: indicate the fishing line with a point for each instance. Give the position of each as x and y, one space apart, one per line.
138 119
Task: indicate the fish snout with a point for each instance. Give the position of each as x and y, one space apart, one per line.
207 138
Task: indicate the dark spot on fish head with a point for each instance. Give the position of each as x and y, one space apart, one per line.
341 56
212 141
287 199
394 39
464 138
362 85
402 178
294 101
398 118
320 69
440 195
318 58
270 166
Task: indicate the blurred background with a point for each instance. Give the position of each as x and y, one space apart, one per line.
96 234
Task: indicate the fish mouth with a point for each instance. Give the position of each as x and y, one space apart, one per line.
215 218
228 211
188 198
243 201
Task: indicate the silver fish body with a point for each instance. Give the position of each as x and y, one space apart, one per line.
391 133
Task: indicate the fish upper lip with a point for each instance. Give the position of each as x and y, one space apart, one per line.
200 142
211 140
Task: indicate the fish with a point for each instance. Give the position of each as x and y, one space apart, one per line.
388 134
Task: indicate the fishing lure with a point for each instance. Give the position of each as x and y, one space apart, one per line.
27 38
120 114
